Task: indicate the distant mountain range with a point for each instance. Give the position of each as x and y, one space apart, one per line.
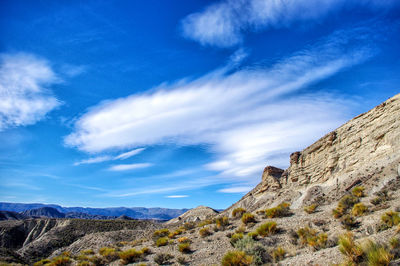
57 211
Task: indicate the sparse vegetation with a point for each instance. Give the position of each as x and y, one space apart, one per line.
282 210
162 241
312 238
278 254
240 229
253 235
394 243
254 249
345 203
235 238
236 258
204 223
390 219
60 261
182 260
311 208
349 222
175 233
184 247
87 252
189 225
163 258
359 209
42 262
110 254
349 248
221 222
358 191
161 233
267 229
130 255
184 240
204 232
376 254
248 218
381 197
238 212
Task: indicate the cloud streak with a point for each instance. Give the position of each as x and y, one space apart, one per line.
125 167
105 158
224 23
249 117
25 97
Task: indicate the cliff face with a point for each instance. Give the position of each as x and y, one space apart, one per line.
365 150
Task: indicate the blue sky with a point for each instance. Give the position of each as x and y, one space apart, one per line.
179 103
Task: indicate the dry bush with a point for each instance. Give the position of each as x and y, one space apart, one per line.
312 238
184 247
282 210
130 255
349 248
390 219
278 254
204 232
358 191
267 229
163 258
359 209
311 208
235 238
162 241
221 222
238 212
236 258
110 254
248 218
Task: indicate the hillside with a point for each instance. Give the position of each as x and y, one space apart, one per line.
79 212
347 181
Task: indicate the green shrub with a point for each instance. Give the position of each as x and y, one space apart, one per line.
60 261
312 238
238 212
42 262
184 247
248 218
235 238
254 249
163 258
204 232
236 258
376 254
359 209
278 254
390 218
189 225
281 210
110 254
349 248
358 191
267 229
205 222
130 255
221 222
87 252
162 241
175 233
253 235
84 263
349 222
394 243
184 240
161 233
311 208
345 203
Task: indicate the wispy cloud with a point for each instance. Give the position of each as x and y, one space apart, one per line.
100 159
223 23
177 196
249 117
124 167
242 189
24 89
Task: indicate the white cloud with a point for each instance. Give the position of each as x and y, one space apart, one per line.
124 167
223 23
129 154
25 97
177 196
249 117
100 159
242 189
97 159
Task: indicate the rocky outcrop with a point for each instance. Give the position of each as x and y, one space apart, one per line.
46 212
200 213
364 150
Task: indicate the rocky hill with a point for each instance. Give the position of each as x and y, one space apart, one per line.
47 212
134 212
337 203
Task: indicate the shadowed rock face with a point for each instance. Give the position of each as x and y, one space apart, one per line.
365 148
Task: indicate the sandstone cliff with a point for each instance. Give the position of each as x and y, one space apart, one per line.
365 150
